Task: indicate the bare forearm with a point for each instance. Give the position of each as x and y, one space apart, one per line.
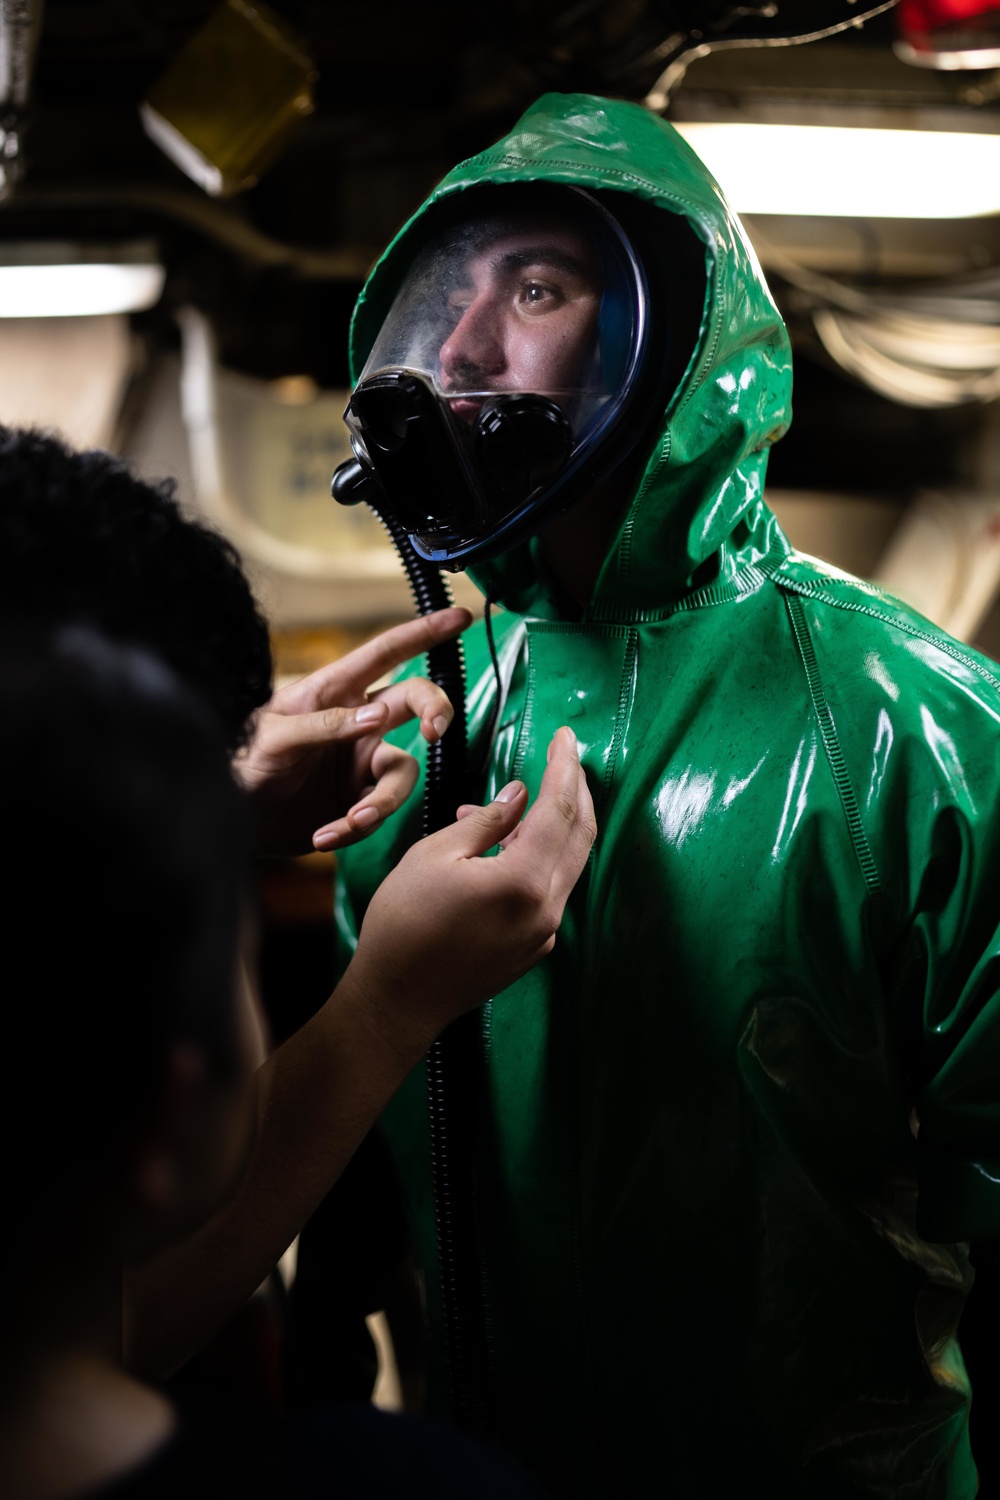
444 931
318 1096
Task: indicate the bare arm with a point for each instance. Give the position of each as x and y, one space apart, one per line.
446 930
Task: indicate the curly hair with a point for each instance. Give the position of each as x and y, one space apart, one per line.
83 539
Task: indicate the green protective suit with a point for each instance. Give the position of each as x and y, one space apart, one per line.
737 1120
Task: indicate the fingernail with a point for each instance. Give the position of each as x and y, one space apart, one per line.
509 792
365 817
564 730
370 713
324 840
440 724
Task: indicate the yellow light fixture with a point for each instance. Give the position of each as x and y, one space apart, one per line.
838 171
228 102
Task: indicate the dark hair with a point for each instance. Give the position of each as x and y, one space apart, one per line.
82 539
126 859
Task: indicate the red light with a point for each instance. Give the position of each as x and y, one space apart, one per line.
949 33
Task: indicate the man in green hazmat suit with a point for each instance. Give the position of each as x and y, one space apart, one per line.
728 1135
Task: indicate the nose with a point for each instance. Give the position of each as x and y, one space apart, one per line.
474 346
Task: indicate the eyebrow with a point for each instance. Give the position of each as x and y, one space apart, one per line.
542 255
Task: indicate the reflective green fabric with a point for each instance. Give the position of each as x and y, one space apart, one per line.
718 1261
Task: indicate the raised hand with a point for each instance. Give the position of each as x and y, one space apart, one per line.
317 769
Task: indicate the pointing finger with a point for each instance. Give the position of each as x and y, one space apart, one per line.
348 679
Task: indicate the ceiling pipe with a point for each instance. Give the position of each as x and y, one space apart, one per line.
773 25
224 225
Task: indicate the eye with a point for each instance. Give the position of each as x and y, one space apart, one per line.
456 304
538 296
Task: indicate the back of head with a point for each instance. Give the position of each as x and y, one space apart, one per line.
82 539
126 850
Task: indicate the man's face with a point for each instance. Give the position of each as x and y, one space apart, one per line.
525 316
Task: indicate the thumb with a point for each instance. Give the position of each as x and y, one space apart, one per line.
479 828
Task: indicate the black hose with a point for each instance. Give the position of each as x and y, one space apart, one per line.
454 1063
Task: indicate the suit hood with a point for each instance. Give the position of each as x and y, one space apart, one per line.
694 523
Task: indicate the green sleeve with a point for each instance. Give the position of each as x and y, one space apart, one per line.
947 966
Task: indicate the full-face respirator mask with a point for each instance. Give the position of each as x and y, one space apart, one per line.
507 378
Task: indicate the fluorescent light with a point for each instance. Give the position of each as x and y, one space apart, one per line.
67 291
850 171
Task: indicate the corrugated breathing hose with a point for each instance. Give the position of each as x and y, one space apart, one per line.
454 1063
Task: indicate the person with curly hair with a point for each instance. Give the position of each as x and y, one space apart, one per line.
82 538
138 1113
84 541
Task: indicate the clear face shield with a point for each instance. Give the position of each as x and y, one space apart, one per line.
504 365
